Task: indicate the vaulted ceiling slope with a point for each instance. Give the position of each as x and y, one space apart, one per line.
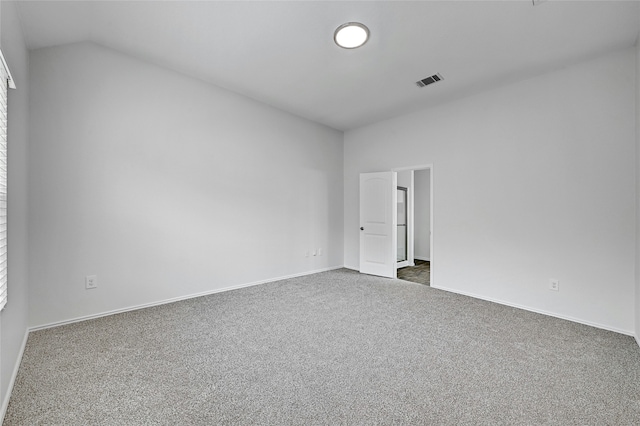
283 54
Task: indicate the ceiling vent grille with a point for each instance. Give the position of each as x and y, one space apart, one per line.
429 80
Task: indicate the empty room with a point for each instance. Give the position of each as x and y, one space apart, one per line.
320 212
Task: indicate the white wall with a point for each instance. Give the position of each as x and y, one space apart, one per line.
404 178
165 186
422 195
532 181
14 317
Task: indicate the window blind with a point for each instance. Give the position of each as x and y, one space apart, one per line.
5 82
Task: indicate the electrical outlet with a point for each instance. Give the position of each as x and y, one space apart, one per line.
91 281
554 284
320 252
306 254
315 252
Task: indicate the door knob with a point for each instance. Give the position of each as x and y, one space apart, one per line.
361 228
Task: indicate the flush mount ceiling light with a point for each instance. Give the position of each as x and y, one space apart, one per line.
351 35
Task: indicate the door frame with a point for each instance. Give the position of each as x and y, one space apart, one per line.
411 204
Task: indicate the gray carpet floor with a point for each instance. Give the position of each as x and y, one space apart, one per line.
331 348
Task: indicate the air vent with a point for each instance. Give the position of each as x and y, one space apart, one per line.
429 80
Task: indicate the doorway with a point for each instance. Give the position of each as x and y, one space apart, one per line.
415 233
379 209
403 215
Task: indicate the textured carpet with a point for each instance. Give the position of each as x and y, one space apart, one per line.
331 348
420 273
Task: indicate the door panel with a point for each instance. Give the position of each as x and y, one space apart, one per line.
378 245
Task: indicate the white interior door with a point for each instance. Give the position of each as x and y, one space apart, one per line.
378 245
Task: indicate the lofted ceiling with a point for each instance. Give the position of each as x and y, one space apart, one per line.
282 53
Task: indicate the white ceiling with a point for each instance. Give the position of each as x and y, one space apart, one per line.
283 54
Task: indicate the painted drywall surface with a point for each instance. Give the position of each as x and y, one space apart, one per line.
164 186
14 318
404 178
532 181
422 221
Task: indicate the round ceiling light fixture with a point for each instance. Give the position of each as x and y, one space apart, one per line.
351 35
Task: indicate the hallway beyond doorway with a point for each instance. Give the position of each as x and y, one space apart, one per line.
421 273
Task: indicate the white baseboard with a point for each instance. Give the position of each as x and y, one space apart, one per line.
176 299
637 339
16 368
422 258
540 311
